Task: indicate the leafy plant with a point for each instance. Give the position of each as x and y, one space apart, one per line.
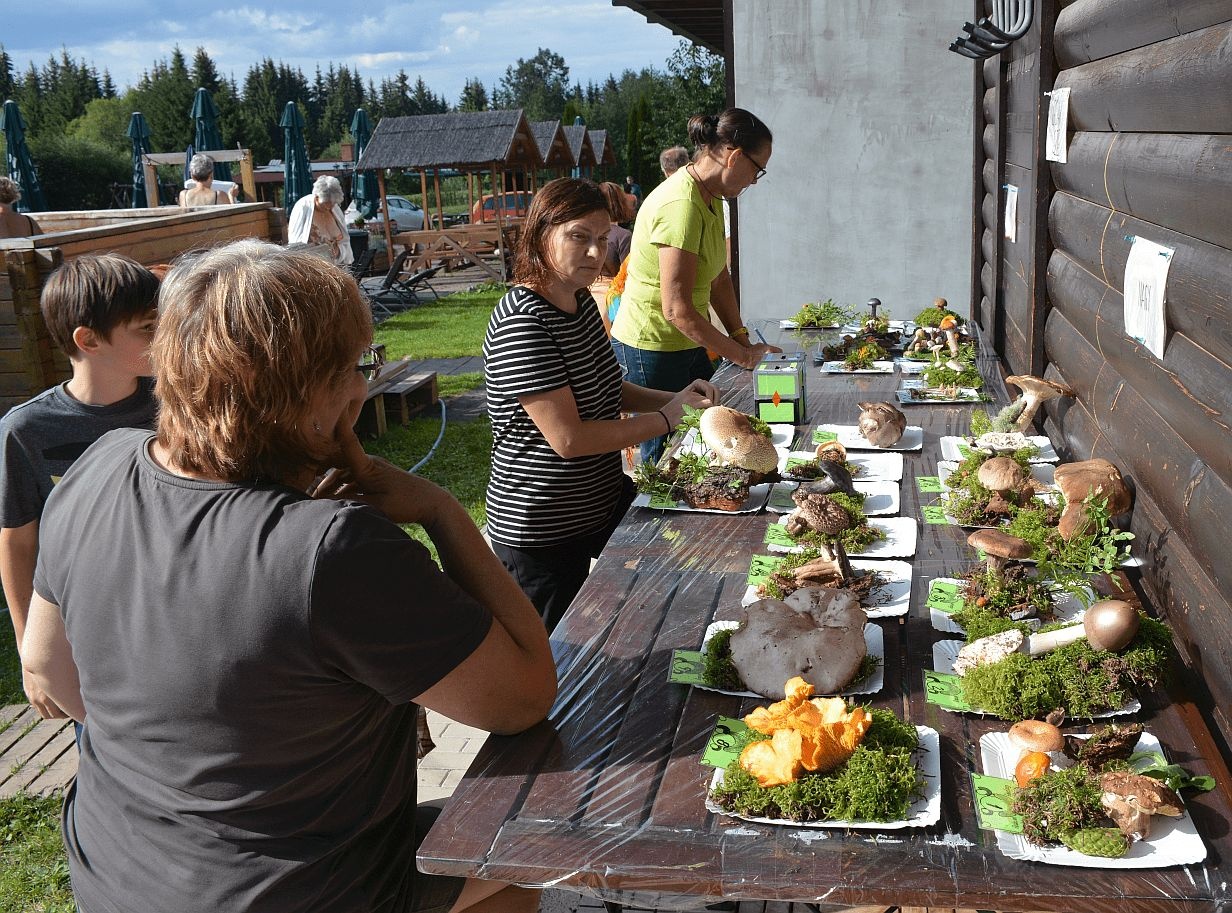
1098 549
824 314
862 358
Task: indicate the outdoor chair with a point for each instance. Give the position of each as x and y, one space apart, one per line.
363 264
384 295
419 281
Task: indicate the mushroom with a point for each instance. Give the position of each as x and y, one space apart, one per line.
823 642
1109 624
1078 481
936 349
951 341
815 511
731 436
1131 799
1036 391
941 304
998 547
834 477
832 452
1036 735
882 424
831 566
1005 476
919 340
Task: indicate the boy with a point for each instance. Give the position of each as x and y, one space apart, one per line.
101 310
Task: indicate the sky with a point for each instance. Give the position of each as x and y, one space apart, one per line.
444 41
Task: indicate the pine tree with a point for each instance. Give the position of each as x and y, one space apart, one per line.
8 85
109 90
474 96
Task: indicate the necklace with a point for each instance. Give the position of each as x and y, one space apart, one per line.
692 169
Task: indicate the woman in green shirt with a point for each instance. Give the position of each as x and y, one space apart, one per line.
678 264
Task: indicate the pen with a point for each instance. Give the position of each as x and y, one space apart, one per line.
760 336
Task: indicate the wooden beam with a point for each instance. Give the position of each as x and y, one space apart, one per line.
1093 29
389 241
436 181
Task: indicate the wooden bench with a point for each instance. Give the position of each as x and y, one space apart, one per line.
409 396
393 387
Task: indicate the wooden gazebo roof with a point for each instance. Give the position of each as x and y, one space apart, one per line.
465 140
700 21
553 145
604 153
579 146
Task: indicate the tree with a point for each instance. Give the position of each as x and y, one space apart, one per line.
104 123
8 85
539 86
697 78
474 96
165 96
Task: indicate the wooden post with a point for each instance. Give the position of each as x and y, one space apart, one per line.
389 241
470 194
500 222
440 216
246 177
151 183
423 193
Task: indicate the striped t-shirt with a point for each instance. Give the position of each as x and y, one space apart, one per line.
535 497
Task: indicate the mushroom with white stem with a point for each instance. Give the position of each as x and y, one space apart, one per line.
1036 391
998 548
1131 799
951 341
936 349
1004 477
1086 478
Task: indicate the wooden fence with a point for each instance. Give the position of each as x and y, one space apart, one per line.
1150 156
29 361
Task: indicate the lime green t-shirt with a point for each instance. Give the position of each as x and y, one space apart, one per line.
672 215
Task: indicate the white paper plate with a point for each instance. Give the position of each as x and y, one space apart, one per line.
897 589
965 395
900 326
849 436
899 541
925 811
880 498
911 366
1043 473
838 367
874 645
1064 605
1047 453
792 325
875 465
781 436
946 651
752 504
1173 841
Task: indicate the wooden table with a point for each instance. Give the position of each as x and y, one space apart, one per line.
607 796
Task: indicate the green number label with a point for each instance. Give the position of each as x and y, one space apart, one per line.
688 668
944 690
994 797
721 746
661 503
777 534
824 437
761 567
928 484
944 598
935 513
964 451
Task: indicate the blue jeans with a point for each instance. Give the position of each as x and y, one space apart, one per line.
670 371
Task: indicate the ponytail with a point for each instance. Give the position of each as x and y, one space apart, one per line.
734 127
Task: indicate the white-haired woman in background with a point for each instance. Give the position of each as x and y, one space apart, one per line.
317 220
201 170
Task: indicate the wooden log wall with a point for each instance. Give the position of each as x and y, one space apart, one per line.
1150 156
1010 298
29 361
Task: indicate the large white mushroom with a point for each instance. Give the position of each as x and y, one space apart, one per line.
1035 391
730 434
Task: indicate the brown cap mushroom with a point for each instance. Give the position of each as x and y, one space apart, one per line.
882 424
1036 391
1130 799
1080 480
999 547
832 451
1002 474
822 513
940 303
1035 735
731 436
1110 624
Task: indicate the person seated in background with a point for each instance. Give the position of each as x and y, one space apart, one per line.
619 237
101 310
247 645
673 159
317 219
634 188
14 224
201 170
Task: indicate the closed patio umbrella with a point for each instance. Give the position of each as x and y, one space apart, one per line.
296 170
363 190
207 137
139 133
20 164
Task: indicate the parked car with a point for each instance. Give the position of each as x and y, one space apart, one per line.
512 203
405 215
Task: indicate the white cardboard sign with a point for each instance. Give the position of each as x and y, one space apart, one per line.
1011 212
1146 278
1058 119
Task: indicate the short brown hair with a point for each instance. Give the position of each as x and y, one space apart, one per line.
10 190
248 333
560 201
96 291
618 208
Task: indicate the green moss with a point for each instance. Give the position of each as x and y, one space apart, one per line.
932 316
1076 678
1059 802
877 783
824 314
718 668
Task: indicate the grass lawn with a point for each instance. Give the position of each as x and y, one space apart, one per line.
33 868
450 328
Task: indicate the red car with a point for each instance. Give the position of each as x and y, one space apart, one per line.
513 204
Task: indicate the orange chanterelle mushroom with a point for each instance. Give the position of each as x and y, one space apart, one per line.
805 735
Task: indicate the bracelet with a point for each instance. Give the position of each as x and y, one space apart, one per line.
743 331
666 419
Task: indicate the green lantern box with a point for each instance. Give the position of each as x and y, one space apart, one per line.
778 388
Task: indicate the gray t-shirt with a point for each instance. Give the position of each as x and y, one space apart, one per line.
40 439
247 659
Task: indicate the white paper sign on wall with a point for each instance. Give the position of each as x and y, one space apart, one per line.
1011 212
1146 279
1058 120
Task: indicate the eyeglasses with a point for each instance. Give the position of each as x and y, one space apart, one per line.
761 172
371 361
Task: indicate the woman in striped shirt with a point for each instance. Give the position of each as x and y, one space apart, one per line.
555 397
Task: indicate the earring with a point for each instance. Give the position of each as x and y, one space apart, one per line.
316 426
